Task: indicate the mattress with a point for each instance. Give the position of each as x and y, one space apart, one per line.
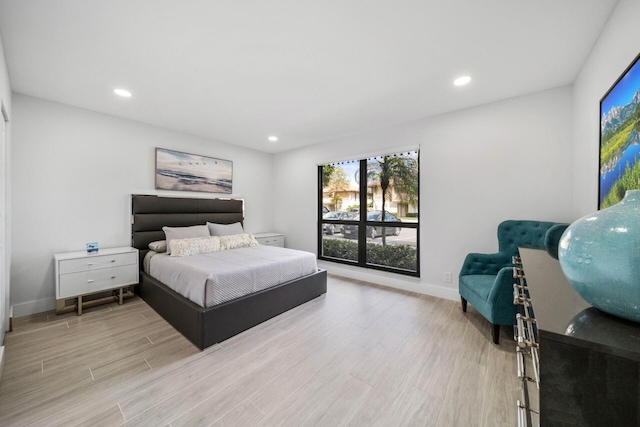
217 277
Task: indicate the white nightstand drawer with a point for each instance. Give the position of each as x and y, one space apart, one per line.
87 282
97 262
270 239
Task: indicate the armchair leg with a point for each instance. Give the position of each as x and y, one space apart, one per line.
464 304
495 333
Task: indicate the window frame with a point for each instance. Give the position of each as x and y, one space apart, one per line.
363 223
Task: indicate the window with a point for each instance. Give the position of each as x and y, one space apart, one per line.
368 212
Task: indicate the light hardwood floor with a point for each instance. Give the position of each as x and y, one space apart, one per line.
361 355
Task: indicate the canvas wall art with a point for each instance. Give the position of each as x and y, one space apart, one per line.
180 171
620 138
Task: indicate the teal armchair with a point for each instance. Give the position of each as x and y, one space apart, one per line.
486 280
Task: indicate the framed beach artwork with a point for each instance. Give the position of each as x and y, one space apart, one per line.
180 171
620 137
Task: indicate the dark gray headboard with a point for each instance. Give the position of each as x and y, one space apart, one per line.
151 213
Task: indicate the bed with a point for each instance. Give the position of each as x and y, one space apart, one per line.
207 326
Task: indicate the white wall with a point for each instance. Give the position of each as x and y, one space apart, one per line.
616 47
480 166
74 173
6 103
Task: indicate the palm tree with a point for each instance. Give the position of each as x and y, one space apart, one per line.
399 172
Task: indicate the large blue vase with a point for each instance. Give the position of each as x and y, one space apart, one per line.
600 255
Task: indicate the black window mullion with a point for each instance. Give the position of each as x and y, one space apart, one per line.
320 184
362 229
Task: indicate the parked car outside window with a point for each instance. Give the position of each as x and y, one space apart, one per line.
335 216
351 231
325 210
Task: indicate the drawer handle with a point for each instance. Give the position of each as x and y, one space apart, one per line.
522 420
113 260
536 365
89 264
521 337
520 360
90 281
113 277
525 337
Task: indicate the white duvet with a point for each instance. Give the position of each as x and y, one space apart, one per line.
217 277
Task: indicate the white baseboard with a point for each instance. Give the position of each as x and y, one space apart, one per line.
33 307
407 283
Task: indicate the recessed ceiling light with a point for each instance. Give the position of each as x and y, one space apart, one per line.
461 81
273 138
122 92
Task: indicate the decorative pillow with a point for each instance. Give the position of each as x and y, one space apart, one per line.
146 262
184 233
225 229
158 246
237 241
195 245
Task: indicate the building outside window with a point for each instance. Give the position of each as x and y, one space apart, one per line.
368 210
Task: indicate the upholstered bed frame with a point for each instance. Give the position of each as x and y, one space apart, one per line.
207 326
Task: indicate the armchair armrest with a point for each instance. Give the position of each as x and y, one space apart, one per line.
501 298
475 263
503 286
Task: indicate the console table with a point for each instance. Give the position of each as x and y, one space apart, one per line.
589 361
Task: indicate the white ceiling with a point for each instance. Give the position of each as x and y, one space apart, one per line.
306 71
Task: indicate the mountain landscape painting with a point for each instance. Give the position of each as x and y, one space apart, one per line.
620 138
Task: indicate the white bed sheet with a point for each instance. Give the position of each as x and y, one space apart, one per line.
217 277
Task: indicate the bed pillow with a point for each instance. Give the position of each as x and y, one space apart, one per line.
172 233
195 245
225 229
237 241
158 246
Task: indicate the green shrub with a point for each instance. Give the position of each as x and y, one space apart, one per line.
397 256
340 248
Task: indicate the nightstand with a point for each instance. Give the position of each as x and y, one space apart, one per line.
79 274
270 239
